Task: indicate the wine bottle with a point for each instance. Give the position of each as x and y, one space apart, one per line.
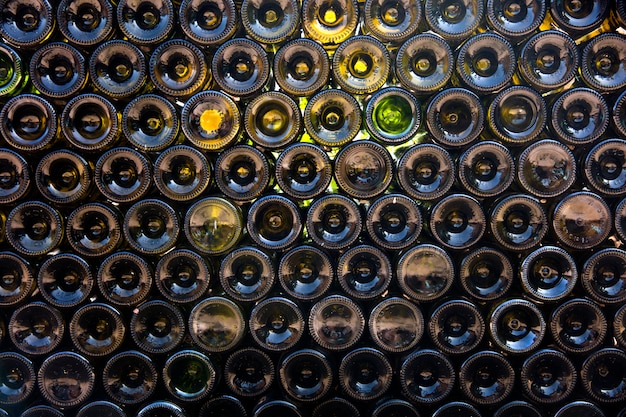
36 328
208 23
66 379
548 274
486 377
57 70
145 22
455 20
394 221
618 115
182 276
424 63
303 170
605 167
548 376
267 407
306 375
579 408
361 65
16 280
247 274
41 411
396 324
425 272
457 221
90 123
425 171
486 169
582 220
12 71
270 21
336 323
364 272
34 228
65 280
177 68
305 272
117 68
15 176
85 23
365 374
223 405
336 407
330 23
394 407
274 222
216 324
580 116
518 222
602 62
578 325
26 23
213 225
427 376
17 378
363 169
151 227
189 376
182 173
332 117
392 115
392 21
517 326
334 222
157 326
150 122
603 276
456 327
272 120
515 20
63 177
97 329
455 117
129 377
456 408
124 279
103 408
249 372
301 67
619 326
486 274
602 375
578 18
518 114
518 409
28 123
242 172
546 168
123 175
240 67
276 324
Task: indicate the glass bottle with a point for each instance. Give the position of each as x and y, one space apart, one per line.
274 222
364 272
242 172
14 176
85 23
579 408
65 280
454 20
392 115
151 227
456 327
517 19
334 222
66 379
63 177
177 68
301 67
303 170
145 22
456 408
189 376
391 21
208 23
603 62
213 225
267 407
486 378
619 222
365 374
41 411
580 116
396 324
240 67
157 326
546 168
161 408
578 18
582 220
12 71
305 272
394 221
16 280
129 377
247 274
427 376
36 328
455 117
618 115
457 221
486 169
548 376
249 372
34 228
117 68
97 329
90 123
605 167
26 23
150 122
486 274
578 325
603 377
223 405
604 276
425 171
485 62
393 407
270 21
306 375
518 409
425 272
517 115
57 70
330 23
182 276
518 222
619 326
17 378
361 65
276 324
517 326
363 169
549 60
28 123
273 120
548 274
336 323
122 175
336 407
182 173
332 117
424 63
216 324
102 408
124 279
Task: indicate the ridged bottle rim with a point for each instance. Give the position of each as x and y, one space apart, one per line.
325 260
27 278
376 355
104 141
53 215
591 201
500 210
29 379
345 99
390 302
619 222
451 305
591 95
299 323
178 254
238 332
251 351
587 374
339 199
579 406
39 35
426 149
393 138
234 403
66 259
464 273
316 30
407 363
546 193
159 142
382 261
200 66
131 49
400 199
502 152
113 410
568 23
619 323
247 251
141 263
513 405
136 357
85 178
432 119
320 408
503 30
170 365
148 38
618 113
297 355
461 407
524 136
241 44
144 176
113 317
208 39
316 51
592 160
277 33
42 410
594 309
430 250
278 99
51 313
80 70
18 68
381 30
325 173
588 275
23 173
464 376
174 313
204 97
169 407
51 126
501 311
78 362
341 168
345 302
526 375
537 254
91 40
285 242
458 35
165 208
361 44
403 59
262 176
203 170
225 205
477 210
586 63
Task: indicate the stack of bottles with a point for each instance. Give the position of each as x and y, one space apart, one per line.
312 208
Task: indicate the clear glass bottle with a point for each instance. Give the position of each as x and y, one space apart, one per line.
486 274
578 18
177 68
425 171
182 173
394 221
247 274
454 20
363 169
182 276
518 222
392 115
274 222
548 274
150 122
270 21
28 123
90 123
66 379
117 68
85 23
332 117
12 71
425 272
391 21
57 70
242 172
605 167
240 67
16 281
216 324
396 324
273 120
578 326
151 227
276 324
305 272
213 225
124 279
361 65
427 376
580 116
157 327
96 329
455 117
457 221
123 175
303 170
517 115
517 326
336 323
602 63
486 378
456 327
582 220
145 22
546 168
516 19
17 378
424 63
208 23
34 228
364 272
548 376
189 376
486 169
603 276
129 377
365 374
26 23
301 67
63 177
334 222
65 280
330 23
15 177
249 372
602 375
306 375
36 328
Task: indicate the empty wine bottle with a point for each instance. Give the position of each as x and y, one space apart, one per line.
63 177
424 63
12 71
486 274
582 220
305 272
65 280
361 65
249 372
189 376
223 405
57 70
303 170
336 322
123 175
427 376
90 122
240 67
247 274
208 23
150 122
457 221
41 411
182 276
274 222
456 327
242 172
455 117
124 279
456 408
34 228
182 173
306 375
579 409
618 115
365 374
267 407
580 116
301 67
276 324
518 222
517 19
364 272
548 376
578 325
16 279
334 222
604 276
213 225
486 378
160 408
216 324
363 169
518 409
145 22
619 326
332 117
14 176
330 23
391 21
548 274
394 407
603 62
97 329
26 24
117 68
129 377
270 21
517 114
603 376
396 324
454 20
103 408
486 169
85 23
272 120
392 115
151 227
394 221
17 378
425 171
157 326
66 379
28 123
578 18
177 68
517 326
336 407
36 328
605 167
425 272
546 168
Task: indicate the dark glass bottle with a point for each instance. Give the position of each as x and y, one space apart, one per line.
276 324
213 225
582 220
247 274
486 378
364 272
516 19
579 409
240 67
117 68
517 114
208 23
182 173
90 123
301 67
454 20
129 377
455 117
242 172
424 63
392 21
28 123
14 176
36 328
12 71
392 115
305 272
394 221
518 222
124 279
66 379
306 375
26 24
223 405
177 68
151 227
273 120
603 375
604 276
17 378
336 407
57 70
274 222
456 327
101 408
182 276
425 272
361 65
65 280
602 62
97 329
517 326
330 23
34 228
546 168
619 326
455 409
394 407
336 322
365 374
548 274
425 171
267 407
518 409
580 116
486 169
605 167
249 372
41 411
270 21
160 409
216 324
578 18
457 221
157 326
303 170
63 177
548 376
150 122
332 117
123 175
145 22
486 274
85 23
618 115
189 376
396 324
427 376
578 325
363 169
16 280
